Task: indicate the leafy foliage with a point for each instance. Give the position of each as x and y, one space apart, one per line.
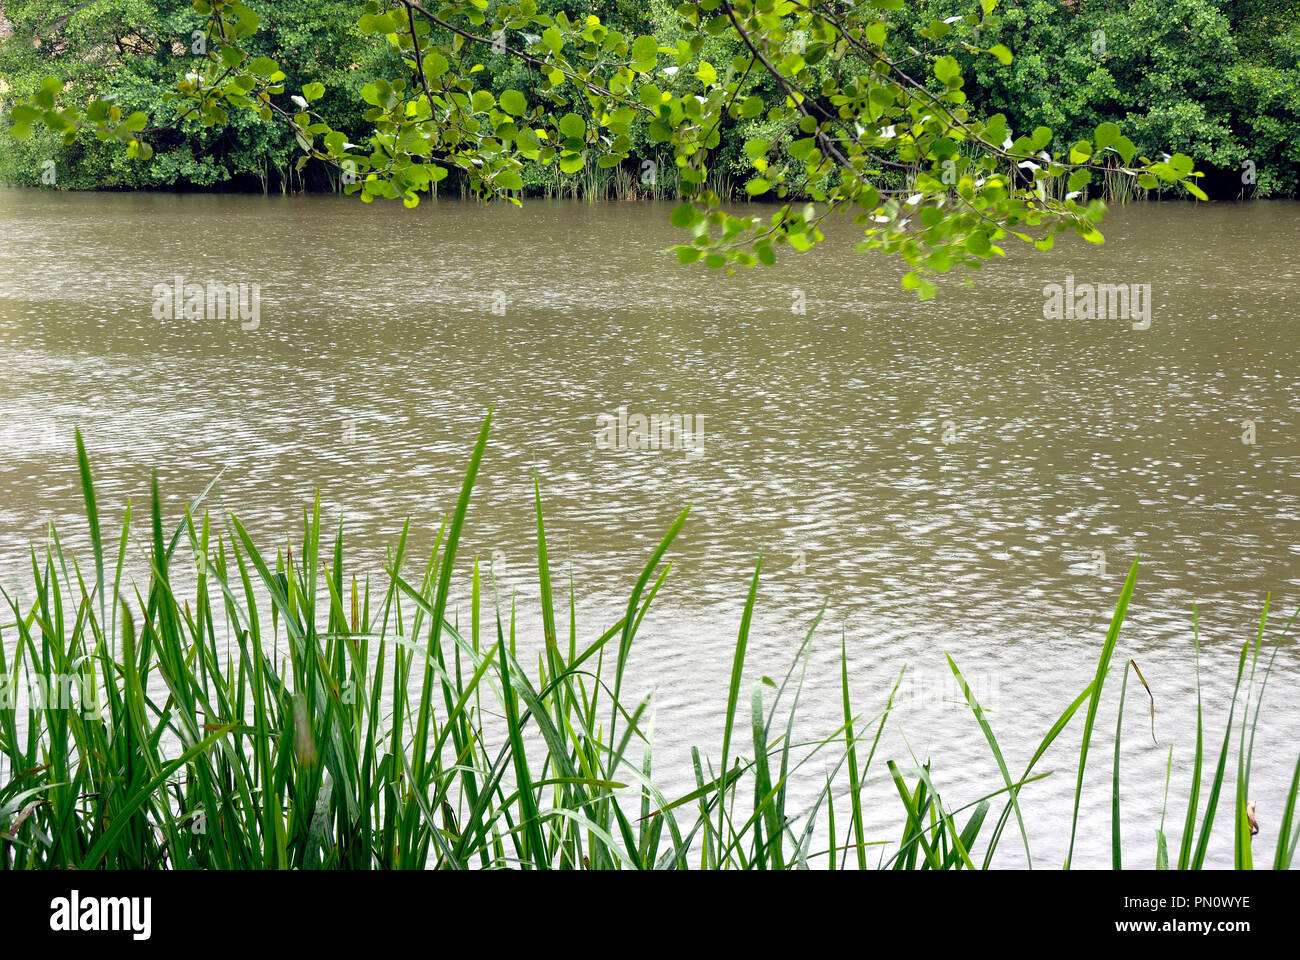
1215 79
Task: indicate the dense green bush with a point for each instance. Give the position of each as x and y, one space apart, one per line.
1215 79
137 50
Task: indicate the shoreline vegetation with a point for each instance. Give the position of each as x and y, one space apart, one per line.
176 734
1217 81
631 181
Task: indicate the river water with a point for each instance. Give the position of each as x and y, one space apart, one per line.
963 475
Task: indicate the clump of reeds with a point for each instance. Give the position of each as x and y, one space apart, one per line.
289 714
651 180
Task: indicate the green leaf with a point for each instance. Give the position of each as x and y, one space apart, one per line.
572 125
435 65
947 69
22 115
263 66
645 54
978 243
514 103
50 89
683 216
1002 53
1106 135
509 180
650 95
376 23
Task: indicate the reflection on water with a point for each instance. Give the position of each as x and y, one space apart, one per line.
961 475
